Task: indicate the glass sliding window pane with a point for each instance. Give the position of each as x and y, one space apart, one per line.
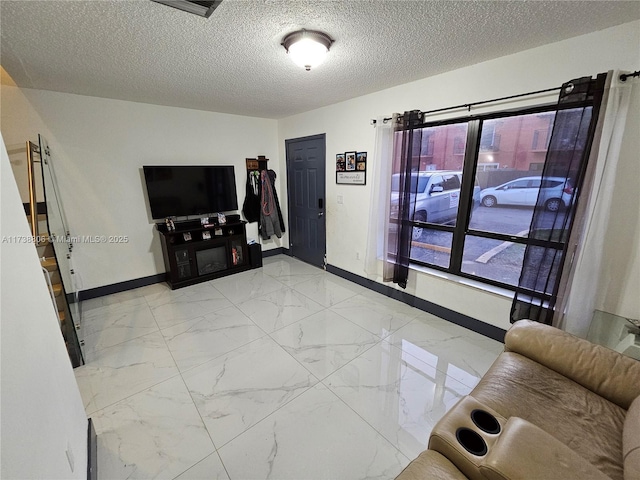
438 168
493 259
510 162
431 246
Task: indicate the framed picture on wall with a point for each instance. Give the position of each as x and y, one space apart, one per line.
350 158
340 163
355 170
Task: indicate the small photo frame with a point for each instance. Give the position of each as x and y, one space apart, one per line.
206 235
361 161
186 236
217 232
350 159
341 165
222 219
204 221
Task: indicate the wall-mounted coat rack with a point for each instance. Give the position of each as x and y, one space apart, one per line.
258 164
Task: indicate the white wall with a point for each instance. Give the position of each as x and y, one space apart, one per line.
99 146
42 412
347 127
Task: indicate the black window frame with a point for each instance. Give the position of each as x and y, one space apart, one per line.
460 230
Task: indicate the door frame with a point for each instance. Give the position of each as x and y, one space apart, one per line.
319 136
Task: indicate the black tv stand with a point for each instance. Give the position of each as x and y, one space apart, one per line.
194 253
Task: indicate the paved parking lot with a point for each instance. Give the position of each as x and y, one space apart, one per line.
509 220
484 257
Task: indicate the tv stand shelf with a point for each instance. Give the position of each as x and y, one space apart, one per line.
194 253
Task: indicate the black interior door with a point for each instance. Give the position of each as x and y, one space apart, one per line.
306 187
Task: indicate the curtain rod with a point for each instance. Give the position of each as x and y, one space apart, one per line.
624 76
473 104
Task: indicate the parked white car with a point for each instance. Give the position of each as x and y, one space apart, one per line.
436 197
555 193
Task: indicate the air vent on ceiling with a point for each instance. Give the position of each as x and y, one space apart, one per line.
202 8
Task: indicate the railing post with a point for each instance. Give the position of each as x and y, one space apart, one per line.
33 206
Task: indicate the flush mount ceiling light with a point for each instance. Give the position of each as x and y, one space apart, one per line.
307 48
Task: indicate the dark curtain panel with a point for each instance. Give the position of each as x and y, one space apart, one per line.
552 220
408 141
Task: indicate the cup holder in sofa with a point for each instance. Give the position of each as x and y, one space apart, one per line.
485 421
471 441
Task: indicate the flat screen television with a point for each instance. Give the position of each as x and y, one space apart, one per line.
182 190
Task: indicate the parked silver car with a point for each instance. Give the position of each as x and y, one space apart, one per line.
554 193
436 198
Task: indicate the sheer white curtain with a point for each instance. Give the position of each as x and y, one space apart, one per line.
585 277
376 263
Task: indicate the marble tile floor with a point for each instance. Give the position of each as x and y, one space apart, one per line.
282 372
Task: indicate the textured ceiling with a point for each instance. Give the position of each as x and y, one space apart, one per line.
233 62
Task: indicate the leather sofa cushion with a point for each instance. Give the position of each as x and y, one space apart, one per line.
601 370
431 465
631 442
524 452
590 425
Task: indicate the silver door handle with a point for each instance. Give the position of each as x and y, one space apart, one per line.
320 214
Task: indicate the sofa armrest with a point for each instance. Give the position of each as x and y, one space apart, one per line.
525 451
601 370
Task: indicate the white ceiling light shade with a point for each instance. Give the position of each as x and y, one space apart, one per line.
307 48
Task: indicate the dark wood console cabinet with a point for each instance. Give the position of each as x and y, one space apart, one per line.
190 257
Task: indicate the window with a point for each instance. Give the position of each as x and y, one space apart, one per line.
476 197
458 146
435 193
489 140
427 147
451 182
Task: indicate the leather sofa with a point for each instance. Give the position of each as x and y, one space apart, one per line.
552 406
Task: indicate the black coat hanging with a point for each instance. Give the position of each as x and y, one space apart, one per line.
251 206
